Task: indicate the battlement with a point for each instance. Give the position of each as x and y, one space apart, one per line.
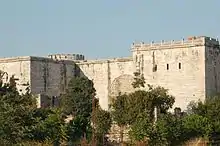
189 42
67 56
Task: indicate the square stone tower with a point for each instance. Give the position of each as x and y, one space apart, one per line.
189 69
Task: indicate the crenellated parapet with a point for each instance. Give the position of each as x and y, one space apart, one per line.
184 43
67 56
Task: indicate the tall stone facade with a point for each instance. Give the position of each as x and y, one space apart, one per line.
189 69
46 77
109 76
176 65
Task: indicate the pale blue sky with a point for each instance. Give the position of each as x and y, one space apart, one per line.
100 28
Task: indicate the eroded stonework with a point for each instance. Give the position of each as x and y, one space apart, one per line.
190 69
121 85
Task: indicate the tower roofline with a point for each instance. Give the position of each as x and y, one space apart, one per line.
189 42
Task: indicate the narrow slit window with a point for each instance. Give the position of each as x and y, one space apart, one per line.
167 66
53 101
155 68
179 65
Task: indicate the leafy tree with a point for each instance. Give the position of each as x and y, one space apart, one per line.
76 129
196 126
48 125
168 130
137 103
140 107
21 121
34 118
141 128
161 99
174 130
77 101
209 109
78 97
145 101
103 123
14 110
137 109
120 113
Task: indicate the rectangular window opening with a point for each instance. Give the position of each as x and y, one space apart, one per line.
179 65
155 68
167 66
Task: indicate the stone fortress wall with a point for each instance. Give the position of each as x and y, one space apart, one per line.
44 76
184 67
19 67
176 65
187 68
190 69
109 77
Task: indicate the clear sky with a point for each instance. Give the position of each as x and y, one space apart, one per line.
100 28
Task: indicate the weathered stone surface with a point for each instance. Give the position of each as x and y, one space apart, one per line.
182 67
50 77
190 69
104 73
19 67
45 76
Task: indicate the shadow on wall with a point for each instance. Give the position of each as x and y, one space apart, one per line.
78 72
54 101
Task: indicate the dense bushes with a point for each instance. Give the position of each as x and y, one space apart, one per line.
145 111
22 123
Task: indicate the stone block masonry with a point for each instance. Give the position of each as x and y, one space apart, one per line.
109 76
189 69
44 76
50 77
180 66
19 67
